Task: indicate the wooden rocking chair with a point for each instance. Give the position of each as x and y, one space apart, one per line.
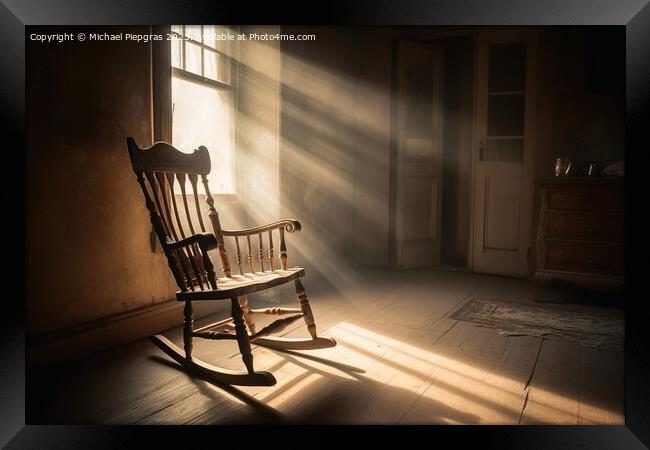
158 168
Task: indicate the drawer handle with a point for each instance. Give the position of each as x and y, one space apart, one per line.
593 260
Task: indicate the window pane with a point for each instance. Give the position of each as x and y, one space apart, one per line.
223 64
193 58
177 29
216 66
506 115
177 57
507 67
223 45
193 32
210 64
209 34
203 116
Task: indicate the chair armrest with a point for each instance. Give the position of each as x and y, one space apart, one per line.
289 225
206 241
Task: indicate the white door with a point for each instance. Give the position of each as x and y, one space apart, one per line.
418 162
503 151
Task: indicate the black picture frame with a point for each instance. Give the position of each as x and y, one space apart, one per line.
634 15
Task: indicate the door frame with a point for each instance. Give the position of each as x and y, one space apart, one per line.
432 38
529 167
414 169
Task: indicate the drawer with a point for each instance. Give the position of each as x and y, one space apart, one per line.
586 198
585 257
588 226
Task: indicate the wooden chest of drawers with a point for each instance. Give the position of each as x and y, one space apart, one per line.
581 232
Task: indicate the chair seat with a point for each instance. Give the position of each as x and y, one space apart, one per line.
239 285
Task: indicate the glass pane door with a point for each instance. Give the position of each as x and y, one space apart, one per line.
506 102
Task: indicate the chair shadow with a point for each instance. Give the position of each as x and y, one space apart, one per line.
266 413
337 365
325 408
329 409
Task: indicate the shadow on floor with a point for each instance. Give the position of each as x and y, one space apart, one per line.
324 406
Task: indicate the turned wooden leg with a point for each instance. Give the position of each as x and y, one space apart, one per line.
243 302
187 329
306 309
242 335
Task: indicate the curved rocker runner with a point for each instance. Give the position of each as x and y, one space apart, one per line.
159 170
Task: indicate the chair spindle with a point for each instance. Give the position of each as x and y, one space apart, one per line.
283 251
271 265
193 181
159 226
251 262
157 183
239 259
261 253
192 254
216 227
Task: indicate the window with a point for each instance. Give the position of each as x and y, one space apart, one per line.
203 98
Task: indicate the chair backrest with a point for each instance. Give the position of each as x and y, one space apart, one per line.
158 169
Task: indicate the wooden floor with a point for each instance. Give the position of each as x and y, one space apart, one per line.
400 359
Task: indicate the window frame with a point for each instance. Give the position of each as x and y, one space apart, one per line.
191 76
232 87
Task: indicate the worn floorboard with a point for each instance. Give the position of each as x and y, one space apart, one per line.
400 358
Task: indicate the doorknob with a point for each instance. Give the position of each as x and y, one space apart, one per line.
481 148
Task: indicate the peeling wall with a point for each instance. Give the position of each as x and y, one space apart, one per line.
87 252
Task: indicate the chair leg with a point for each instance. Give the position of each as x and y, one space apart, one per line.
306 309
187 329
242 335
210 372
243 302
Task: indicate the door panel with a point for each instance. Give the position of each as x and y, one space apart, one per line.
417 148
504 133
502 213
418 162
420 208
